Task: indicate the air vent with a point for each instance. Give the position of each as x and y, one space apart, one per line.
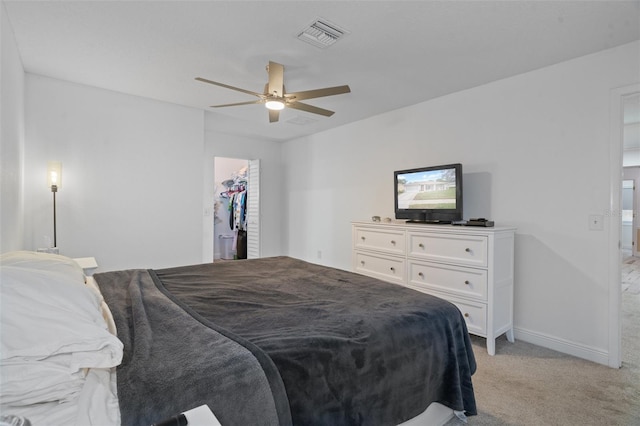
322 33
301 121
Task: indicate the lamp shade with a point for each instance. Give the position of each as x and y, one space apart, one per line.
54 174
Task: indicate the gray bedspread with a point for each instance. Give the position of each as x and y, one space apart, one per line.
174 361
351 350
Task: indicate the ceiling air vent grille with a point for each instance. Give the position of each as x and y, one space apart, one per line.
321 33
301 121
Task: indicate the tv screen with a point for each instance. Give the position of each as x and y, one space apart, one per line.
429 194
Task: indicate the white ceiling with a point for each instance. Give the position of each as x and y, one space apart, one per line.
397 53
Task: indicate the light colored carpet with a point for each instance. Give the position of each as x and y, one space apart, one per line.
631 275
524 384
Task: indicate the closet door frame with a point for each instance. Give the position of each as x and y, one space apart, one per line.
253 210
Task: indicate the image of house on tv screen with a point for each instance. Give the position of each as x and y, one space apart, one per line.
427 190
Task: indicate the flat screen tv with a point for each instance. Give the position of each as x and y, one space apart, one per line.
429 194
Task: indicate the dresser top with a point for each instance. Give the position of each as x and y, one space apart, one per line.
434 227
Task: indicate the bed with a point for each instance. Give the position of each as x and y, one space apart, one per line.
267 341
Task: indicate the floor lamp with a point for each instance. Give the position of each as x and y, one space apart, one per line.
54 181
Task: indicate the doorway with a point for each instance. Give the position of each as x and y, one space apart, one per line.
236 210
625 153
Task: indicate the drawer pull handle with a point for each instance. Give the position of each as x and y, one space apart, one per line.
393 242
421 245
362 262
392 269
468 250
467 282
420 274
466 315
362 238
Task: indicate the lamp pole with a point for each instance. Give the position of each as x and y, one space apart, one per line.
54 189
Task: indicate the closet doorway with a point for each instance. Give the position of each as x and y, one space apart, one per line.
236 218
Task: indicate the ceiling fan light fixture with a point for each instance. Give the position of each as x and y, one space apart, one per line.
275 105
276 99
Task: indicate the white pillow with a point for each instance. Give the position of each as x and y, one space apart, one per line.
46 312
104 308
43 261
52 327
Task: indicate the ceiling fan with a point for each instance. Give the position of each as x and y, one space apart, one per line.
275 98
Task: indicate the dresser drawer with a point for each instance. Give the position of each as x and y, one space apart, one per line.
380 266
468 250
461 281
475 315
388 241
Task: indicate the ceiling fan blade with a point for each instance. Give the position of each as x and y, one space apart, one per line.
310 108
259 101
274 91
276 79
318 93
226 86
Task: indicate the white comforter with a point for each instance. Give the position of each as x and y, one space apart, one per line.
96 404
58 348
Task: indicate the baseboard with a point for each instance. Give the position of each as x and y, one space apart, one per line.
562 345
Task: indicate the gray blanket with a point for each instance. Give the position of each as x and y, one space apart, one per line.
351 350
174 361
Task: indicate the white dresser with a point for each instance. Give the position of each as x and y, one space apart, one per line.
472 267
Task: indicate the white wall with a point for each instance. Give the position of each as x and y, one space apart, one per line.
535 154
11 139
137 177
132 175
272 210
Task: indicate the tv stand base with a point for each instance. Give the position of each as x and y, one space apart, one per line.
472 267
